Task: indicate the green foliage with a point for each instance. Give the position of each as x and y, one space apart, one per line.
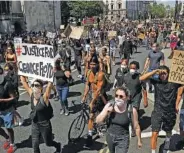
158 10
80 9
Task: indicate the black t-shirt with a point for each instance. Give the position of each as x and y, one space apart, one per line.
119 76
5 91
61 79
165 95
135 86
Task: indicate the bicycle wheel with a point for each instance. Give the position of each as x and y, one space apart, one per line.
76 128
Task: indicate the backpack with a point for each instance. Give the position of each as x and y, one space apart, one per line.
107 82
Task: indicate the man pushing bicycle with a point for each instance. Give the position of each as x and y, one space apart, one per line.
95 81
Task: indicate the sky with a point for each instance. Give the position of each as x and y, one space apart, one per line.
167 2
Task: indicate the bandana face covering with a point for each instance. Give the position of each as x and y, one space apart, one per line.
37 93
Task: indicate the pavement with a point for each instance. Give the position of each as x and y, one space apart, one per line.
61 123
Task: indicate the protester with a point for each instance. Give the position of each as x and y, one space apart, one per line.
119 119
61 75
164 113
7 100
41 114
154 60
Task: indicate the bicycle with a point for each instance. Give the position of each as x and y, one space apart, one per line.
79 124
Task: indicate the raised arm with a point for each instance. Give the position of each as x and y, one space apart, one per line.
47 92
26 85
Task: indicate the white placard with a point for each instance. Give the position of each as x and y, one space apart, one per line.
36 61
51 35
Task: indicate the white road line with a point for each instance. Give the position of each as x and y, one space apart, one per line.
161 133
23 93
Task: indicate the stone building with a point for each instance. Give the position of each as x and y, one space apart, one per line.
29 15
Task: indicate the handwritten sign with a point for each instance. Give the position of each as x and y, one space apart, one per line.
36 61
51 35
177 68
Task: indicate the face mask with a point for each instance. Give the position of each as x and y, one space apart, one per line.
132 71
120 103
1 78
95 70
123 66
37 93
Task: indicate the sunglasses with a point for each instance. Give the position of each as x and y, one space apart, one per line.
119 96
36 85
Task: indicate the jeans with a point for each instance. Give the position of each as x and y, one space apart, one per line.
63 94
117 144
45 130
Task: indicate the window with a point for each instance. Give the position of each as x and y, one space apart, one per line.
119 6
112 6
111 13
111 17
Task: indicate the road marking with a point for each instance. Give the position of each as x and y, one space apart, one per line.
23 93
161 133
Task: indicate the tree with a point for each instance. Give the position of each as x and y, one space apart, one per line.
157 10
80 9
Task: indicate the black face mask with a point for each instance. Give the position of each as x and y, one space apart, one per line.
95 69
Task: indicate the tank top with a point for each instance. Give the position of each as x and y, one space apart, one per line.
41 112
10 59
119 123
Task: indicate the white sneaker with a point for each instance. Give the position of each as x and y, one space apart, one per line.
79 76
21 121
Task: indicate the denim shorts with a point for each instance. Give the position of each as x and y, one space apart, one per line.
182 120
6 118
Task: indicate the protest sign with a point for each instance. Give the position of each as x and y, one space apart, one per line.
17 40
112 34
177 68
67 31
76 32
51 35
62 27
36 61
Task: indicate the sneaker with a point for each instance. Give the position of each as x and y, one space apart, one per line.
88 142
67 112
56 98
21 121
6 145
12 149
79 76
62 111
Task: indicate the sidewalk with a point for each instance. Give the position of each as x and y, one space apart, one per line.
167 63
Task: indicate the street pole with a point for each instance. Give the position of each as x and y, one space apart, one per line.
54 16
176 11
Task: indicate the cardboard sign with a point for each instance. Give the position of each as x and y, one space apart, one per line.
62 27
51 35
112 34
67 31
177 68
36 61
141 36
76 32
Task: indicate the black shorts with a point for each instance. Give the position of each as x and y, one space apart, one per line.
98 107
162 121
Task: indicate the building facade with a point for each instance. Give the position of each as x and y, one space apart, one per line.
29 15
115 9
137 9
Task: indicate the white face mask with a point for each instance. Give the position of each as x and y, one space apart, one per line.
132 71
123 66
1 78
120 103
37 93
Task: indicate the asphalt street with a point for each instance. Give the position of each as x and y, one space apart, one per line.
61 123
